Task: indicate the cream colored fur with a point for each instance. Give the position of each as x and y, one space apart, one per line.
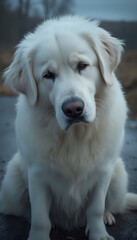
69 177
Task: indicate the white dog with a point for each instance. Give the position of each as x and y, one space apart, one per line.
70 127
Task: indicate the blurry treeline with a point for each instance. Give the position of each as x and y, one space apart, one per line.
15 22
127 31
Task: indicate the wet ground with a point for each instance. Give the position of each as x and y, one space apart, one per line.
13 228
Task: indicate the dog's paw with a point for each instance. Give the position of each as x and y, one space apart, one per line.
109 218
98 235
38 235
107 237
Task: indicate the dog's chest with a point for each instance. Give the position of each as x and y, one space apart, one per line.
72 175
69 192
72 162
74 151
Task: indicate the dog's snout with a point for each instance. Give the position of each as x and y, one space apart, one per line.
73 107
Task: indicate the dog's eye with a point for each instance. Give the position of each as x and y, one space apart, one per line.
49 75
81 66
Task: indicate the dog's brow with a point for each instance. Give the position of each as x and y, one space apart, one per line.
79 56
50 65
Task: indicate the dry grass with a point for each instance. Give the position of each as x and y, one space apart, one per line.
127 73
5 59
4 90
127 70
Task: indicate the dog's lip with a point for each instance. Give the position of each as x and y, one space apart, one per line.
72 121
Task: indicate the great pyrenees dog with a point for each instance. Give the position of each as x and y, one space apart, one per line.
70 123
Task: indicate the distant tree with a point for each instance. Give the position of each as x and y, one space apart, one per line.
4 20
54 8
27 8
16 20
23 16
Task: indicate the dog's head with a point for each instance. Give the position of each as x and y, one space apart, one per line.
65 63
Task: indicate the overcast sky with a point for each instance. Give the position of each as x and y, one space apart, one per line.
107 9
98 9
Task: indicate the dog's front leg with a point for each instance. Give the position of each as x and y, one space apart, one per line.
95 223
40 199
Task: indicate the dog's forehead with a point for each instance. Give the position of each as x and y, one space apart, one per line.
64 44
72 40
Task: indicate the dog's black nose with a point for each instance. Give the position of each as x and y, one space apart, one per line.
73 107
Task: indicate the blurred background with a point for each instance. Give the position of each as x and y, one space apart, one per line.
119 17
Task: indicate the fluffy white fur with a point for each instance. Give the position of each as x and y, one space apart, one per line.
69 177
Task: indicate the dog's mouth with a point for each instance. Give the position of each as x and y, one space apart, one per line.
72 121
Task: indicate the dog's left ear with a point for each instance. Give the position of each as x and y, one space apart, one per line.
108 50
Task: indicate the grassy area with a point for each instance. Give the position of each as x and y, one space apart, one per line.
127 73
5 59
4 90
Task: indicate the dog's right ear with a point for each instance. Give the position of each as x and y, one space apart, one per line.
108 50
19 75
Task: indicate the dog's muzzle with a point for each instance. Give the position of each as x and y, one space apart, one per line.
73 109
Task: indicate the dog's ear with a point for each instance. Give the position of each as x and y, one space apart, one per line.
108 50
19 75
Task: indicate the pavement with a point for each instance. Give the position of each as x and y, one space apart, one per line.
16 228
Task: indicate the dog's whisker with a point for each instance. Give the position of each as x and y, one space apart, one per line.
50 116
100 100
97 100
51 113
100 106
